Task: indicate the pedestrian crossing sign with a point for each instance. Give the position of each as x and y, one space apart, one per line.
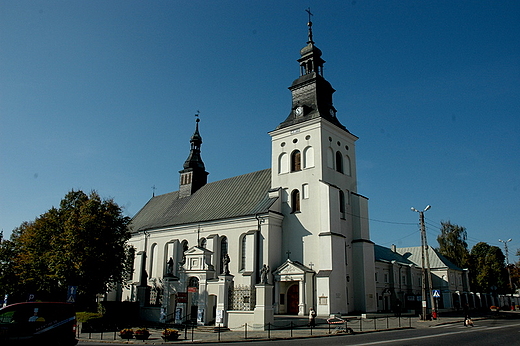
436 293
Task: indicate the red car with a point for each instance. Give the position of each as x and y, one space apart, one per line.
28 323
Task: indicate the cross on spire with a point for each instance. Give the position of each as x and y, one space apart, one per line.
288 253
308 10
153 190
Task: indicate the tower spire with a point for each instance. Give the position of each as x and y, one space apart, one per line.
312 94
194 174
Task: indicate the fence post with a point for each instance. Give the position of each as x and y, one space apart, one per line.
375 323
114 334
399 321
311 329
218 333
245 331
291 328
329 326
192 330
386 321
409 322
269 330
101 337
361 324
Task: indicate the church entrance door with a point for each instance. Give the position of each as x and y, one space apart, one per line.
293 294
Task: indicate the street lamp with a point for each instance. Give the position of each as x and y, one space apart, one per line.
425 268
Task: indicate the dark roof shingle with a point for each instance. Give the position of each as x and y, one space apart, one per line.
233 197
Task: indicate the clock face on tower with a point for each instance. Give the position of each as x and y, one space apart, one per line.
299 111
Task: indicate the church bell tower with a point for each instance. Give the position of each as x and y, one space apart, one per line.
325 225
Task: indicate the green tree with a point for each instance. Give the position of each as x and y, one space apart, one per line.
7 271
488 269
452 244
82 243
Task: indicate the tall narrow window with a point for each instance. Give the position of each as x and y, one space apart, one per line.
342 204
339 162
223 253
243 252
295 201
153 261
296 161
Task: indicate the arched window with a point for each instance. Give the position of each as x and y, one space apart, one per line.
184 248
347 165
295 201
296 161
203 242
193 282
342 204
223 252
339 162
153 261
283 163
330 158
308 157
243 252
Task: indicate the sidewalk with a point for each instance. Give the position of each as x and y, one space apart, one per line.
286 327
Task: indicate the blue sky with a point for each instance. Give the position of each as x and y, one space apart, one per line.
102 95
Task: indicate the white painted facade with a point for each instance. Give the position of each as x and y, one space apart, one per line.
311 229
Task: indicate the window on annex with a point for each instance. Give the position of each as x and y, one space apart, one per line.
296 161
203 243
223 253
305 191
295 201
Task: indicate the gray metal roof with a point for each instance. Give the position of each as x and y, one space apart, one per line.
384 254
234 197
437 261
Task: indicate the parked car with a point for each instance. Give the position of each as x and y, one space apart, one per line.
32 322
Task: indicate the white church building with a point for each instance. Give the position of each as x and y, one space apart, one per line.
282 240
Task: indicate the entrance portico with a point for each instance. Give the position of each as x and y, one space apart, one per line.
294 287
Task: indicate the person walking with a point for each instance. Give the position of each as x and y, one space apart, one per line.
467 319
312 317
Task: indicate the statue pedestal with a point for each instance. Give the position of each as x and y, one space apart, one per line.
224 283
263 313
143 295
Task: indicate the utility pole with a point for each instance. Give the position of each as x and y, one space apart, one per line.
507 262
425 264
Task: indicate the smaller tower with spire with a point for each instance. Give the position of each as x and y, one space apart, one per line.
194 174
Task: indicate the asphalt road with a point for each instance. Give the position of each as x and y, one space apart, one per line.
485 332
